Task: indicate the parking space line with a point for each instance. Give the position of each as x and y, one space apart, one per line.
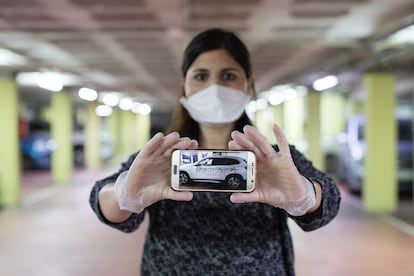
397 223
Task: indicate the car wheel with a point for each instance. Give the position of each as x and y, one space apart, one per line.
78 157
184 178
28 163
234 181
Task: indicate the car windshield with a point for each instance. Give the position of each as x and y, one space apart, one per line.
405 130
38 126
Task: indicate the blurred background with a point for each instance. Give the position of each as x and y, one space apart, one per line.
84 83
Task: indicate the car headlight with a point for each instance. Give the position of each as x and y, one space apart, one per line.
44 145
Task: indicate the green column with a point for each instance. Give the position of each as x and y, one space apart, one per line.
129 141
333 120
9 144
332 116
356 106
313 130
115 131
293 121
380 182
62 132
264 121
92 145
144 130
277 115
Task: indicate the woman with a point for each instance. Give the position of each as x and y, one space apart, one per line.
210 233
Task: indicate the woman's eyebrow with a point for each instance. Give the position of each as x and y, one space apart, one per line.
200 70
226 69
230 69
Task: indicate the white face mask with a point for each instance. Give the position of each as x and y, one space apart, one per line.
216 105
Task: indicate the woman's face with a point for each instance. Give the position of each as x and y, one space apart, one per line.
215 67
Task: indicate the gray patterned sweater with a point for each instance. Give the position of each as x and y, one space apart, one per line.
212 236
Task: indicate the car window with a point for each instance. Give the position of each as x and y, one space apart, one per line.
405 130
205 162
361 132
38 126
225 161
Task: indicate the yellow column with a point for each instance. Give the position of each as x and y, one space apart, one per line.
129 141
277 112
313 131
332 115
293 121
144 130
92 146
61 131
9 144
333 120
356 107
115 131
264 121
380 191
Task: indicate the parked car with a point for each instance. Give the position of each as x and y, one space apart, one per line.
352 150
36 147
231 170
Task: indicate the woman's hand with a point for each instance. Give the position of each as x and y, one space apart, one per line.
148 179
278 182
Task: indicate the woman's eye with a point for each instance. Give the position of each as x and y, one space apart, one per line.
200 77
229 76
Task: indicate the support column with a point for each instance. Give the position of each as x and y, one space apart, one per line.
333 120
62 132
356 107
263 123
380 189
115 130
313 131
293 121
144 130
92 146
127 128
9 145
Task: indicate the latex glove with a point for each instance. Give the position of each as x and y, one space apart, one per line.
148 179
278 181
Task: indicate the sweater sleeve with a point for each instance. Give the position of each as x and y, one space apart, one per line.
134 221
331 196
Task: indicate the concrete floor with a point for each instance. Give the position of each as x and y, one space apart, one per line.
55 233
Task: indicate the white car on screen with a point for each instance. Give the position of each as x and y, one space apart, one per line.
231 170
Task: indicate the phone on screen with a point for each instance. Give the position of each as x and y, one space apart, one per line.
213 170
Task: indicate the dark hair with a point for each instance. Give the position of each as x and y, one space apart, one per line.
206 41
214 39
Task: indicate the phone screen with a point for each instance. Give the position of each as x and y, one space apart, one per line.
211 170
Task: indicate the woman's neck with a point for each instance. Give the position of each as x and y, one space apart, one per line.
215 137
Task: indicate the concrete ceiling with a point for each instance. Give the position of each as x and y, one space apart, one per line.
135 46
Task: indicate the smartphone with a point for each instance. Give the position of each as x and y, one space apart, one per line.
213 170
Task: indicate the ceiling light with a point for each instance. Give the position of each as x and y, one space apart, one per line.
276 98
261 104
251 107
125 104
144 109
51 81
31 78
9 58
325 83
103 110
290 94
87 94
403 36
139 108
110 99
